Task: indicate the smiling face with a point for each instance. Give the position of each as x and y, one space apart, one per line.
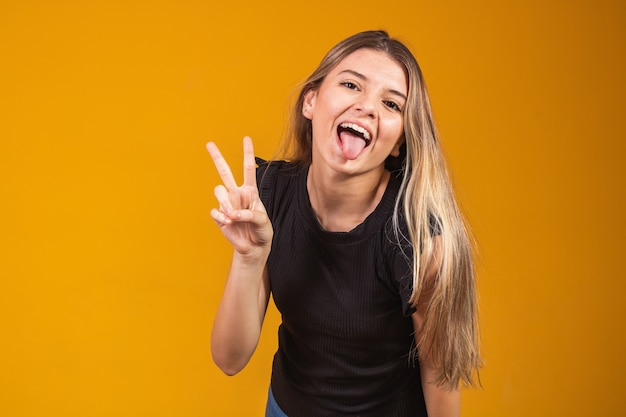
357 112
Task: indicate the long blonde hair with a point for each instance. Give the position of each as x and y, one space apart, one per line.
426 200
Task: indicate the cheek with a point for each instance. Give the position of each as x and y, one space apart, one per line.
326 113
332 107
393 129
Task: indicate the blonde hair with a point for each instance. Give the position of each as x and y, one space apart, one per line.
426 200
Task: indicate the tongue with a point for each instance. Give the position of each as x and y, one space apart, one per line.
352 145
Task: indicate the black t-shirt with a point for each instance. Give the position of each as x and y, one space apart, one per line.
346 334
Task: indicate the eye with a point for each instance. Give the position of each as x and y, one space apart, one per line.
350 85
392 105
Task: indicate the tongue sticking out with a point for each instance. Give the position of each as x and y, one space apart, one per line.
352 145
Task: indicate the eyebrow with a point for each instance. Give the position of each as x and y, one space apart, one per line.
364 78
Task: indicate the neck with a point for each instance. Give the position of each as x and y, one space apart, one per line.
341 202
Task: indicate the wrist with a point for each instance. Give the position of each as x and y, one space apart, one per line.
252 259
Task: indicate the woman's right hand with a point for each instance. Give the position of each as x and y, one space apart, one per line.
243 220
241 215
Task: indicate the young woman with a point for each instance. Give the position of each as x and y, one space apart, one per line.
358 237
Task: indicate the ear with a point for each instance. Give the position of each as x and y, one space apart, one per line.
309 104
395 152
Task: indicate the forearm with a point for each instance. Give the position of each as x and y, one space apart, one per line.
239 317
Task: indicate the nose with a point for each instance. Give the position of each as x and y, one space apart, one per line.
366 106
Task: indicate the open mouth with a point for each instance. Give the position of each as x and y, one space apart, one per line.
354 139
355 130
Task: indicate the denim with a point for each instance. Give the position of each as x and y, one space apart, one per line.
272 409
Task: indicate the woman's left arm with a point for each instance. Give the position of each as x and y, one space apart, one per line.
440 401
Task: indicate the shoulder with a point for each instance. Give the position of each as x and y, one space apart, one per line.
270 167
276 178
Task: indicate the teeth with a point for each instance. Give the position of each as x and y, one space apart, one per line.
357 128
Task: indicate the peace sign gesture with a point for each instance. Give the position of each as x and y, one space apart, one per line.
241 215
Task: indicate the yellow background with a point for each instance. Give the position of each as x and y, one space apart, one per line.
111 269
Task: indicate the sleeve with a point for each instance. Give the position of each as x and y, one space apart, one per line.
262 181
398 260
403 275
398 253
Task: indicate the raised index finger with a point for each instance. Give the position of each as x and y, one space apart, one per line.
249 163
222 166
